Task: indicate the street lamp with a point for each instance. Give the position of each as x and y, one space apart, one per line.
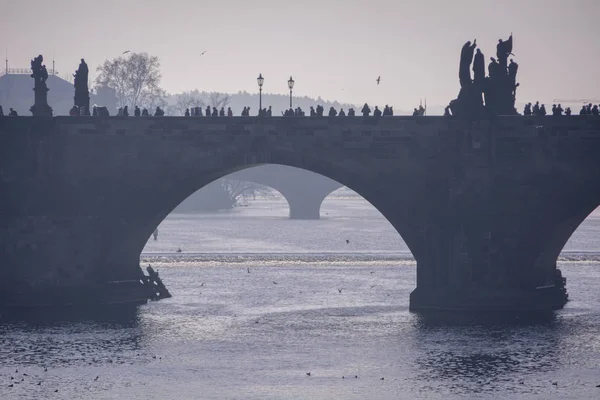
260 81
291 86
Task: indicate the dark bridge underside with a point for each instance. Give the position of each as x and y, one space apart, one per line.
485 207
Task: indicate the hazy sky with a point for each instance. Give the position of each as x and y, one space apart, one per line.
333 49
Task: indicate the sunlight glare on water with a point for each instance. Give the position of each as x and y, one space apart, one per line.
311 302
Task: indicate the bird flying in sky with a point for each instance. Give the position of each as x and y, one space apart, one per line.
203 53
127 51
378 79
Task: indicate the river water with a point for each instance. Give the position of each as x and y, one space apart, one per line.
259 301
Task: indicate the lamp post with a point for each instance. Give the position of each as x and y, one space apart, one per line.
291 86
260 81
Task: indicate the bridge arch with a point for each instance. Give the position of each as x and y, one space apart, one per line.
567 215
190 175
304 191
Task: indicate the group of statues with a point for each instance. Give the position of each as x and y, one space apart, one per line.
479 95
498 88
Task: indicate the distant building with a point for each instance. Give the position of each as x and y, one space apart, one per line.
16 91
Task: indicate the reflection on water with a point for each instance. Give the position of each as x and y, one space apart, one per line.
321 306
228 333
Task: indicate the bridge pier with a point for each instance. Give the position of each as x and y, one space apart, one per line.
304 205
485 255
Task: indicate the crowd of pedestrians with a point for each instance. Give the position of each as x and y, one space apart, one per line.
317 111
557 110
530 109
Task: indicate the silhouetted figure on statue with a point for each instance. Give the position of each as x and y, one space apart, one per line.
527 109
312 112
136 111
12 112
145 113
351 112
494 70
377 112
568 111
1 112
38 71
187 112
595 110
40 75
320 110
479 68
222 112
543 110
503 50
342 113
158 112
332 112
126 111
82 93
536 108
466 58
512 72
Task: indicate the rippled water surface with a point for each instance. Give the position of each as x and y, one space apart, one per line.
311 302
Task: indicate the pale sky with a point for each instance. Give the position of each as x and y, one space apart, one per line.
333 49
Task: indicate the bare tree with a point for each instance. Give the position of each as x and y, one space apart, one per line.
135 79
219 100
189 99
241 190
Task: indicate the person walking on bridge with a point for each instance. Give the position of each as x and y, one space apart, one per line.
366 111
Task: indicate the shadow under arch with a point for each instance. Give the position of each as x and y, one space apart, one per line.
565 222
188 178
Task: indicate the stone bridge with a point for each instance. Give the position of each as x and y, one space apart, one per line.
303 190
485 207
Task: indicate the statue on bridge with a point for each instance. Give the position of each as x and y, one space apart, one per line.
82 93
39 73
466 57
498 89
